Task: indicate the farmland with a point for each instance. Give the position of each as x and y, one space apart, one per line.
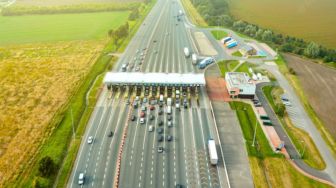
66 2
60 27
310 20
319 84
41 79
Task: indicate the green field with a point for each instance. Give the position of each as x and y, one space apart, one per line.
311 20
60 27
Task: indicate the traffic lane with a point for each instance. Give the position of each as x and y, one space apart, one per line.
142 141
180 148
103 149
93 162
128 156
282 134
84 149
112 147
88 165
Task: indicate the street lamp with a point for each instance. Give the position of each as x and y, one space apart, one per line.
255 132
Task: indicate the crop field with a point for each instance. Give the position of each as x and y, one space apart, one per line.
66 2
308 19
41 79
319 84
60 27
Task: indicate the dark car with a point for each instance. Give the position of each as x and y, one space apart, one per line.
160 112
151 117
160 138
133 118
169 138
179 186
169 117
110 134
160 123
160 130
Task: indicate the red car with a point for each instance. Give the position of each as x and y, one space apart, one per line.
152 107
142 114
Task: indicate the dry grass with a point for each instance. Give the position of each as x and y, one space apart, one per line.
66 2
309 19
35 81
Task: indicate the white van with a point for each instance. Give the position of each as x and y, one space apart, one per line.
169 110
81 179
161 98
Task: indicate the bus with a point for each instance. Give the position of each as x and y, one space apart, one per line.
205 62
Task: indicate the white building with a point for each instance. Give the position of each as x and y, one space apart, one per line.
239 84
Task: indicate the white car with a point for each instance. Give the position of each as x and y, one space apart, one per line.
90 140
81 179
142 120
151 128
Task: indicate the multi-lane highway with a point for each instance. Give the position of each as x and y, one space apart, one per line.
156 47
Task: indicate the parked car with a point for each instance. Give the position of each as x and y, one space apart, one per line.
169 117
151 128
170 124
133 118
142 114
152 107
160 123
160 130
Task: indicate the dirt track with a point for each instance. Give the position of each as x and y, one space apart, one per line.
319 85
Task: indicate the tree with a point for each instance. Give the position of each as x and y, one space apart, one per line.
110 33
312 50
280 109
227 20
267 36
239 25
287 47
46 166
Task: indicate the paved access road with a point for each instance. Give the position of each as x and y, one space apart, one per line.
156 47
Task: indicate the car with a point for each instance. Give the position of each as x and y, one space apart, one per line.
170 123
152 107
143 108
151 128
154 41
169 138
161 105
179 186
142 120
160 138
110 134
160 112
185 105
90 140
160 123
137 98
169 117
142 114
160 149
144 100
257 104
127 102
133 118
151 117
81 179
160 130
135 104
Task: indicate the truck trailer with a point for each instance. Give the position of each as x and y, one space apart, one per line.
205 62
232 44
226 40
212 152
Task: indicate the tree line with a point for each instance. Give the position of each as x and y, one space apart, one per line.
216 12
17 10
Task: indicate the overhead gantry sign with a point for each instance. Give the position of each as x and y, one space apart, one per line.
153 79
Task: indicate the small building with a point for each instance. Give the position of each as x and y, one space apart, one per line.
240 85
248 50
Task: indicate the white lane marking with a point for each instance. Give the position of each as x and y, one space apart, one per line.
184 147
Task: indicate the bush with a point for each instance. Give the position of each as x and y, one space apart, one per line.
40 182
46 166
280 109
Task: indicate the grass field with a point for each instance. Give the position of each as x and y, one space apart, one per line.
66 2
61 27
193 15
311 20
227 66
268 168
41 79
218 34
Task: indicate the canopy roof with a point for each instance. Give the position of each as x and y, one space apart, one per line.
166 79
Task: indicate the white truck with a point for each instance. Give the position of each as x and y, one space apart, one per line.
212 152
169 109
169 101
186 52
177 94
194 59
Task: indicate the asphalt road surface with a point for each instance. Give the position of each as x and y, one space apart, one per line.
156 47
